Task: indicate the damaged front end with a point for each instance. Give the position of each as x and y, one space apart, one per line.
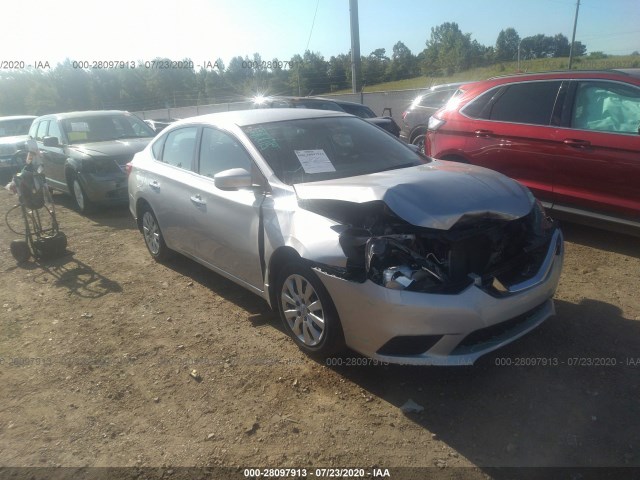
484 248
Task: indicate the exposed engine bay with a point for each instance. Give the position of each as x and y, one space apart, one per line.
481 248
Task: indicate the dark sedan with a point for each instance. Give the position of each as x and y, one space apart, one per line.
321 103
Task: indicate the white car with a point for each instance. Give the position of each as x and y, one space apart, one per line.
353 237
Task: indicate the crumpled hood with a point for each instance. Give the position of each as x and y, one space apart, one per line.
436 195
113 148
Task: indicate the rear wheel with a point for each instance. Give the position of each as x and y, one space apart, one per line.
307 311
153 236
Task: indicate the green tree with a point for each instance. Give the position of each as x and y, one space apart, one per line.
374 67
507 45
309 74
339 72
403 63
448 50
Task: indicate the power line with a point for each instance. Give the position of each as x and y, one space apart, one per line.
312 24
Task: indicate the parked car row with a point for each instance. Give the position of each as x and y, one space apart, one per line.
357 239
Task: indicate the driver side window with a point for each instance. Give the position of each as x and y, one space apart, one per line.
219 151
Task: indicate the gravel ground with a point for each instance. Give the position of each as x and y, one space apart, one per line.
97 350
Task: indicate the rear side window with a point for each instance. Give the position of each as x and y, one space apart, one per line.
179 147
531 103
606 107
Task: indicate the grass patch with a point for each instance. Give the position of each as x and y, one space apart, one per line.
506 68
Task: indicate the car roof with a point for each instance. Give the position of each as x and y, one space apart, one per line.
629 75
243 118
568 74
86 113
18 117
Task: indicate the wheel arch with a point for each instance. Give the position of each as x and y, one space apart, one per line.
279 258
141 205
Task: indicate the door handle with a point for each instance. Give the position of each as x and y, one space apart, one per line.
572 142
197 199
483 133
155 185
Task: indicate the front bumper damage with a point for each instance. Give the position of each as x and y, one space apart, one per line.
416 328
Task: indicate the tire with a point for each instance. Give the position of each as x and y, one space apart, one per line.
20 250
83 204
152 235
418 141
307 312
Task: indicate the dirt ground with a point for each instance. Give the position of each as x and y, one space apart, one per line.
96 352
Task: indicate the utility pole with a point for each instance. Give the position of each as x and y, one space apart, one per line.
355 46
573 37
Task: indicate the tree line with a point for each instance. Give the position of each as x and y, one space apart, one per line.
68 87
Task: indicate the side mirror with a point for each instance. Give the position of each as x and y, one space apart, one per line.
233 179
50 142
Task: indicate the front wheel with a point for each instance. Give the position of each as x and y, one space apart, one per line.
307 311
83 203
153 236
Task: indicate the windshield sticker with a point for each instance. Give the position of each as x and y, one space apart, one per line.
79 127
314 161
75 136
261 138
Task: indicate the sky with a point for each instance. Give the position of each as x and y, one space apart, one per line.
204 30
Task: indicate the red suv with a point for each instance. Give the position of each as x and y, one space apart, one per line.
572 137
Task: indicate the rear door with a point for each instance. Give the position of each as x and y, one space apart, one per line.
598 167
167 187
514 132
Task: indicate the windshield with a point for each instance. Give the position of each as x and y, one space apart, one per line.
101 128
310 150
10 128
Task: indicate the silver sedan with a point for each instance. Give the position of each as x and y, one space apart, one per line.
353 237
